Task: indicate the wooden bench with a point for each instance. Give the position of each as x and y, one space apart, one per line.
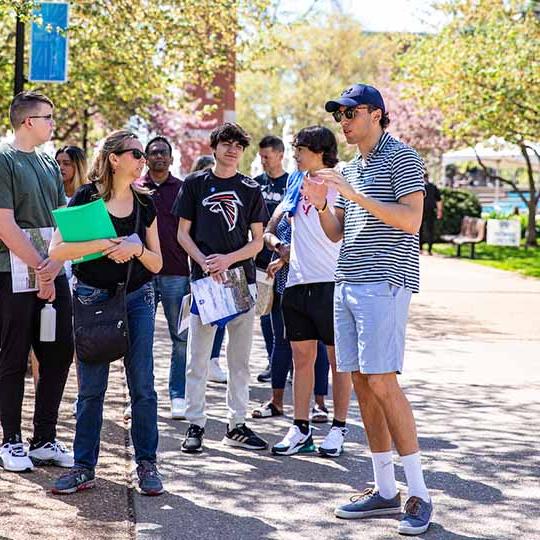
472 231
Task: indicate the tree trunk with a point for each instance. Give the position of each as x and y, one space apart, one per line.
532 202
531 223
86 117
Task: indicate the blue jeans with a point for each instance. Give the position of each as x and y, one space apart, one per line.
170 290
139 365
281 358
268 335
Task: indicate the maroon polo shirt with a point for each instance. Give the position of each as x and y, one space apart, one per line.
175 259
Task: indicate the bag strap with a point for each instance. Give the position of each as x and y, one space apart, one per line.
137 223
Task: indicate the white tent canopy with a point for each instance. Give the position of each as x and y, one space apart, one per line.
494 152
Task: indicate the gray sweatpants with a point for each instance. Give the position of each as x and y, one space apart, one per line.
199 348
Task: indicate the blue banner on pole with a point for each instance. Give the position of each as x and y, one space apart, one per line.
49 44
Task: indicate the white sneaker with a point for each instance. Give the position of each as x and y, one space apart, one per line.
127 413
215 373
75 407
178 409
295 442
332 446
14 457
52 453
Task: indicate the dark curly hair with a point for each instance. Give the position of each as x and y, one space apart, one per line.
320 140
229 132
384 122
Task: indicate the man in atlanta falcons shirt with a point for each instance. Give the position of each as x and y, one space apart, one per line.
218 208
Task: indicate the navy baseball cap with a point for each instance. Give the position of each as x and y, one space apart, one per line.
358 94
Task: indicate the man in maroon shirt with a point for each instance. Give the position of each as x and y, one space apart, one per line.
172 283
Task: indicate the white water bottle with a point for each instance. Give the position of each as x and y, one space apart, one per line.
47 329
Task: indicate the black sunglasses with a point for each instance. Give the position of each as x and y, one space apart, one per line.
137 154
349 113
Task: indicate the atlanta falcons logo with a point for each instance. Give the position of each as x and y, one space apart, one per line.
225 203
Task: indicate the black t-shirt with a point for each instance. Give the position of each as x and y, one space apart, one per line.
221 211
433 196
104 273
272 190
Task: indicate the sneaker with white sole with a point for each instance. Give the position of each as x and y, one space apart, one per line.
244 437
295 442
50 453
369 503
215 373
417 517
14 457
332 446
178 408
127 413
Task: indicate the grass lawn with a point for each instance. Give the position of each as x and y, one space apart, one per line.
526 261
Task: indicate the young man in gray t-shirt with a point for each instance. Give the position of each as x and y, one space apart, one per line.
30 188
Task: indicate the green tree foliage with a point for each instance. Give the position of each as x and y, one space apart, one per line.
457 204
482 72
127 56
314 62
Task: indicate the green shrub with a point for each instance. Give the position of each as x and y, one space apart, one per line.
457 203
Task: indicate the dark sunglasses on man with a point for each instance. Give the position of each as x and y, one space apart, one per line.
349 113
136 153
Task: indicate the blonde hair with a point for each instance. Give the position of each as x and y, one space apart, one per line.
102 172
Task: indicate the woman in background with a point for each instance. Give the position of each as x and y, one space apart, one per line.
74 168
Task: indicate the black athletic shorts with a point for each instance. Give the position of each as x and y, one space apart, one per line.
308 312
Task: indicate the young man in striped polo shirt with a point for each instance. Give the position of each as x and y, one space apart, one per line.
377 214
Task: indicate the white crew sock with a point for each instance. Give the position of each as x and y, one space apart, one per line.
415 478
383 470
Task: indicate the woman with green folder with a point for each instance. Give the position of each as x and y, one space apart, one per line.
118 164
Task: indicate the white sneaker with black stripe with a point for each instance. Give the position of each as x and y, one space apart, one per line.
244 437
332 446
14 456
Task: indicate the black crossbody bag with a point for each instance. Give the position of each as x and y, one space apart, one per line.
101 330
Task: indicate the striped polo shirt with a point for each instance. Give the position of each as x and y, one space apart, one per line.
373 251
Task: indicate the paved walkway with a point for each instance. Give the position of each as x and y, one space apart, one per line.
472 374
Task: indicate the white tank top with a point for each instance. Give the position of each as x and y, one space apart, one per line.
313 255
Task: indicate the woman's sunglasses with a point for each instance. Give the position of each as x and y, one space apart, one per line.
349 113
135 152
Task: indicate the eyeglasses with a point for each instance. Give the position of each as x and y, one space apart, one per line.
349 113
45 116
135 152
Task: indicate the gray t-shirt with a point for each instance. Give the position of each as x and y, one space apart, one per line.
31 185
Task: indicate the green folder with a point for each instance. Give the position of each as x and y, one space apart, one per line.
86 222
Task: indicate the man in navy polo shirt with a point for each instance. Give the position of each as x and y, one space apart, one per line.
377 214
172 283
273 182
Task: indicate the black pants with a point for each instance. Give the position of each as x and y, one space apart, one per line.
427 231
19 330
